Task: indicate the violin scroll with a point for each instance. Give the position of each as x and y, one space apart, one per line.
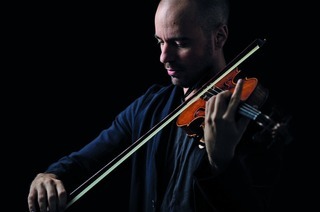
276 131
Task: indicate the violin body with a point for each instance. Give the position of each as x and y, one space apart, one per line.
191 119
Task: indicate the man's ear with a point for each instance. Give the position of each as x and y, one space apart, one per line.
221 35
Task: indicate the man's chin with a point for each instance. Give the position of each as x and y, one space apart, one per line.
177 82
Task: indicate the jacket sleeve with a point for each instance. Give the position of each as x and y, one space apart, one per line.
78 166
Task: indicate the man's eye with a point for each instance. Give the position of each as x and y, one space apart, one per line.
159 41
181 44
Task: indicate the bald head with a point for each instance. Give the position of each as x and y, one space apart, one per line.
176 13
208 14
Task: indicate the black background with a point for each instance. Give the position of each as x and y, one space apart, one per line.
70 68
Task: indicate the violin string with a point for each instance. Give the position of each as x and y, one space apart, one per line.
244 109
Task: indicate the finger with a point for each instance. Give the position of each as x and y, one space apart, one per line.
62 194
216 105
37 198
32 197
221 104
234 105
52 198
42 199
235 98
210 107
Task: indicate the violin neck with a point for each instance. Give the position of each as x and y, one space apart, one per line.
256 115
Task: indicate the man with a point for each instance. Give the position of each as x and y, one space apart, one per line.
170 172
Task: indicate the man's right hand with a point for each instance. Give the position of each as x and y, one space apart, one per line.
47 193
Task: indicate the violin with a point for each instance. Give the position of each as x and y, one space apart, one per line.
252 97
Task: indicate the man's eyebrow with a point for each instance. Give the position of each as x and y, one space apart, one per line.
177 38
156 37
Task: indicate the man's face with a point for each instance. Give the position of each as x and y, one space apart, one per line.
185 50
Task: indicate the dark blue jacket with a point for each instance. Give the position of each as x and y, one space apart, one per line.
240 188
